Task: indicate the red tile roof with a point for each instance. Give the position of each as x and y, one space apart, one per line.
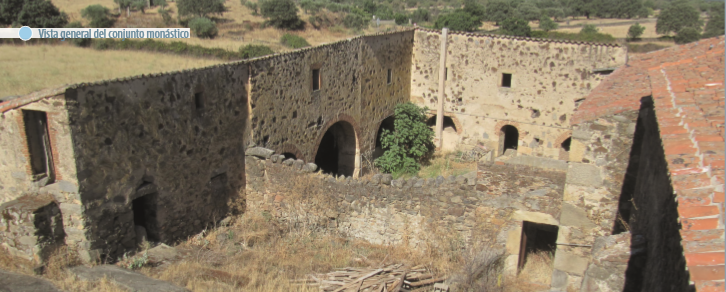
687 86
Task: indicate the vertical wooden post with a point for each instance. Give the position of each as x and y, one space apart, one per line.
442 77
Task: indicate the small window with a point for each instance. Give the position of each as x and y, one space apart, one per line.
390 76
316 79
36 133
506 80
446 73
198 101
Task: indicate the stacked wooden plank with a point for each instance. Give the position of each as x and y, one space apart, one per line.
390 278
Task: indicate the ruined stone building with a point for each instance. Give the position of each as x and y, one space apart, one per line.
613 162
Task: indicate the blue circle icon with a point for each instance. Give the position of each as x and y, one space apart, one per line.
25 33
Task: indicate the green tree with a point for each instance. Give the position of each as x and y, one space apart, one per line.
528 11
546 24
475 9
41 13
355 21
400 18
715 24
499 10
281 14
9 10
200 8
458 20
420 15
687 34
409 142
78 41
98 16
588 29
635 31
253 6
203 27
253 51
411 3
516 27
139 5
676 16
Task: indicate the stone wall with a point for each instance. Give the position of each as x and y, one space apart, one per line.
482 210
174 139
31 227
548 77
290 117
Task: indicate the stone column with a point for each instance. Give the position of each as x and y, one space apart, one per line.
442 76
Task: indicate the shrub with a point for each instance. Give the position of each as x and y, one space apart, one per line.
293 41
677 15
98 15
400 18
715 24
281 14
200 8
39 13
252 51
139 5
421 15
546 24
635 31
458 20
355 21
588 28
251 6
203 27
516 27
411 3
687 34
409 143
165 16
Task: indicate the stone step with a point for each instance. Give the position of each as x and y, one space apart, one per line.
12 282
128 279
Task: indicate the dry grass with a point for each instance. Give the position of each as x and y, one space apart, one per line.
538 268
73 7
29 68
446 164
619 31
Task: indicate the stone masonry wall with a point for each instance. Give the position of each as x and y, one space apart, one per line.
31 227
288 116
177 138
599 157
547 79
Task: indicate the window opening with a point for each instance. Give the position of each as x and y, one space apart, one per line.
316 79
36 133
506 80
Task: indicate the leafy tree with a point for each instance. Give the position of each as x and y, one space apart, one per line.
546 24
9 10
618 8
687 34
400 18
635 31
41 13
253 51
458 20
123 4
369 7
309 6
409 142
203 27
676 16
97 15
516 27
588 29
355 21
499 10
715 24
200 8
528 11
475 9
281 14
253 6
420 15
294 41
139 5
411 3
556 13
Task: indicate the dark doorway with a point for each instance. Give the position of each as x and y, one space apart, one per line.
36 132
537 238
337 150
289 155
508 138
145 208
448 123
565 149
387 124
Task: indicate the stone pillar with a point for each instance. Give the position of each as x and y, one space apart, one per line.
442 76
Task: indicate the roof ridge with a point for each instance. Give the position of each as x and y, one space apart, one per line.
540 40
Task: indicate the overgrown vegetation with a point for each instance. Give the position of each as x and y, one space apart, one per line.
99 16
179 48
203 27
293 41
253 51
281 14
33 13
410 142
200 8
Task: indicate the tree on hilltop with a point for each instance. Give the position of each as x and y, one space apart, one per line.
635 31
97 15
41 13
200 8
458 20
281 14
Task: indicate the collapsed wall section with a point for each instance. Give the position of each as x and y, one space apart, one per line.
158 157
495 81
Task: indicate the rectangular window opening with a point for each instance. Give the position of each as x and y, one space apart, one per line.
36 133
316 79
506 80
446 73
198 101
145 209
389 79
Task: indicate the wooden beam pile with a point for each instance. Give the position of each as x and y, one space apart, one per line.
393 278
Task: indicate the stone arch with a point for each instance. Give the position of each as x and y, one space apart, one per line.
288 148
508 138
563 142
340 142
453 119
385 123
562 137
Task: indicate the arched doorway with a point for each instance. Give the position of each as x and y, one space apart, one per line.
565 149
337 150
449 132
508 139
387 124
